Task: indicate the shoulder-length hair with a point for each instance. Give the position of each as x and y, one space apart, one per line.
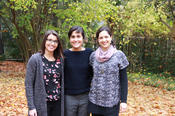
58 52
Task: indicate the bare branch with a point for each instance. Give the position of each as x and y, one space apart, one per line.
165 23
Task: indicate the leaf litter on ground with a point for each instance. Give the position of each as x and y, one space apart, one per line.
142 100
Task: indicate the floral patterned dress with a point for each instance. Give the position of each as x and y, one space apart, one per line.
52 78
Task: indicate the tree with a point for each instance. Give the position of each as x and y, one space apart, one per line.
167 7
90 14
28 19
1 42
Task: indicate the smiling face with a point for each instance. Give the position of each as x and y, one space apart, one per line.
51 43
104 40
76 40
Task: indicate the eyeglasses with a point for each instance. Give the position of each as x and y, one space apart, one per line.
52 41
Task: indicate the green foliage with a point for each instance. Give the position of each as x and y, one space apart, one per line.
11 48
150 55
2 57
139 27
88 14
28 21
164 81
140 19
23 5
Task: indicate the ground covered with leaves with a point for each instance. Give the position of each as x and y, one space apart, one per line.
142 100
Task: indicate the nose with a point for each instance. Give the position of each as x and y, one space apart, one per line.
104 39
52 42
75 39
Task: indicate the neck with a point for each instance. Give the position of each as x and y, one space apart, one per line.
77 49
105 49
49 55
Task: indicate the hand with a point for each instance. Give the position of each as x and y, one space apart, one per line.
32 112
123 107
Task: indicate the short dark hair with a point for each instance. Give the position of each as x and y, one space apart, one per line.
58 52
78 29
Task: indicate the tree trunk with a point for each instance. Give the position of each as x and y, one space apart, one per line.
1 42
173 30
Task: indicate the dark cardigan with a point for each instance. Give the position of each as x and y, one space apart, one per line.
34 86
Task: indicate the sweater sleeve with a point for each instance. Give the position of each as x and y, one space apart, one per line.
29 82
123 62
90 65
123 85
92 58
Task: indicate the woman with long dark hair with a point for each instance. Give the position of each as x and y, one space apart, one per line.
44 82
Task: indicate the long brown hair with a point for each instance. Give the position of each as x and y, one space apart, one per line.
58 52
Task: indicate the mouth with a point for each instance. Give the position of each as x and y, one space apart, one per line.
105 43
76 44
51 47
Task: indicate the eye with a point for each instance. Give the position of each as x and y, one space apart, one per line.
106 36
55 41
100 38
78 36
72 36
49 40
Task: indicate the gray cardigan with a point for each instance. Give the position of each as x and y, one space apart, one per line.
34 86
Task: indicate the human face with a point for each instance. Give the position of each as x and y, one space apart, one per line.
104 40
51 43
76 40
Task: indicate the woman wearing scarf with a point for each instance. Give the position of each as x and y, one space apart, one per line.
109 86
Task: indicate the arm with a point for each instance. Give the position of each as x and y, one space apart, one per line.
91 59
123 85
124 89
29 82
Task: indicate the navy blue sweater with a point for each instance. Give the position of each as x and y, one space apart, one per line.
78 72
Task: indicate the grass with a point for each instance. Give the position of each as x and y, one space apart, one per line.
156 80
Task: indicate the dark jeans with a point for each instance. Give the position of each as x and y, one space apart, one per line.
103 111
76 105
54 108
97 115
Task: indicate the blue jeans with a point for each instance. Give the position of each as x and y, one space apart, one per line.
76 105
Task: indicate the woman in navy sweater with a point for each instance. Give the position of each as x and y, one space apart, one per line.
77 74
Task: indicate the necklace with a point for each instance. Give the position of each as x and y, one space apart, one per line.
49 58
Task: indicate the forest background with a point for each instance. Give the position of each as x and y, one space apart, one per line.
143 29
